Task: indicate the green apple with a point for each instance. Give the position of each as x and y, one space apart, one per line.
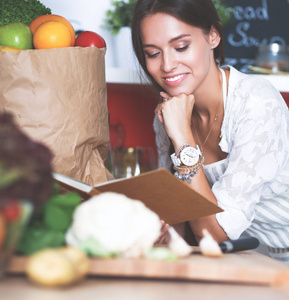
16 35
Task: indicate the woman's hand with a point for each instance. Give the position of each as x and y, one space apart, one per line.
164 237
175 113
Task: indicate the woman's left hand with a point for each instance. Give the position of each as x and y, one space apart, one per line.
175 113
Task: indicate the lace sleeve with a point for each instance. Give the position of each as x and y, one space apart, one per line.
163 144
258 150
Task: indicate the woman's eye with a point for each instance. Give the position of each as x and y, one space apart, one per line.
152 55
180 49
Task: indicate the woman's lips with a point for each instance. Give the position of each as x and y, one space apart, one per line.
174 80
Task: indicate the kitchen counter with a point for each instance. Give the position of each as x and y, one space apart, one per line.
241 275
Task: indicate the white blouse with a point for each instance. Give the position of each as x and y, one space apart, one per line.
252 184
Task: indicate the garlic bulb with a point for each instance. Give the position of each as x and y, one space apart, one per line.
178 245
208 246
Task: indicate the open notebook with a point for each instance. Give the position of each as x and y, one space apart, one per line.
159 190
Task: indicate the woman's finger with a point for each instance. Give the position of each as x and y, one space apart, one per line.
165 227
165 96
164 238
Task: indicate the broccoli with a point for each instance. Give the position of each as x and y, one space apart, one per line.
23 11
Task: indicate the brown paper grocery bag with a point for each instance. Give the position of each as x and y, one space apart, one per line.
59 97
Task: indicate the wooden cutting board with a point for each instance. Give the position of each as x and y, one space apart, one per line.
246 267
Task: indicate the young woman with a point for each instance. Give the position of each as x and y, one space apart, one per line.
228 130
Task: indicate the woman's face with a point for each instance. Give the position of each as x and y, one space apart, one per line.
178 56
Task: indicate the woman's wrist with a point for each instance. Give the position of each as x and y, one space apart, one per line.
181 140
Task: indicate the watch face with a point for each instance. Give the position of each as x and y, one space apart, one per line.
189 156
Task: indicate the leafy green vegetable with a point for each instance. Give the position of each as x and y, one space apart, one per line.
59 210
21 11
48 225
37 238
55 217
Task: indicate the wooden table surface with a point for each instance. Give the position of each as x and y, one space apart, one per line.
243 275
19 288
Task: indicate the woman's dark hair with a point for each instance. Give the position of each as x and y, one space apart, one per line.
198 13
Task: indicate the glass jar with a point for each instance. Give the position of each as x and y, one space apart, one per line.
274 57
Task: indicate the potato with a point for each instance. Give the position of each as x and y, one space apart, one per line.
79 259
57 267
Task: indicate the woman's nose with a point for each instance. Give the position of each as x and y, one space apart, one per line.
169 62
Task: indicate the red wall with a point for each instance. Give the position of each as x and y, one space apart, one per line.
131 109
131 112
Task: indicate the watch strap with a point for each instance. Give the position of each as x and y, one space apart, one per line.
175 160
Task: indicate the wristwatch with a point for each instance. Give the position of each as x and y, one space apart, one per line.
187 155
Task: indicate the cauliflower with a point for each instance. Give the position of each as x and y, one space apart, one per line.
119 224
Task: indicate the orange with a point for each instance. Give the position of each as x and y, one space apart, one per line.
51 35
45 18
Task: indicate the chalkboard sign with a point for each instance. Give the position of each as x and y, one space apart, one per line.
254 23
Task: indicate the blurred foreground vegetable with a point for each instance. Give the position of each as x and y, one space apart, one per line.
48 225
25 165
57 267
112 224
25 183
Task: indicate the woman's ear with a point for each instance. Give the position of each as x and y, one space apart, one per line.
214 37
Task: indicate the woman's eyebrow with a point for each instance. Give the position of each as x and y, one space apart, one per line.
170 41
178 37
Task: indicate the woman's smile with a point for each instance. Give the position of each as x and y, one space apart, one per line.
174 79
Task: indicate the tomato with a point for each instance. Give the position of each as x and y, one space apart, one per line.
89 39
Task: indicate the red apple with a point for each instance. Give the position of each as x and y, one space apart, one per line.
89 39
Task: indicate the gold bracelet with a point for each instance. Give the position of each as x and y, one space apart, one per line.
191 168
192 171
